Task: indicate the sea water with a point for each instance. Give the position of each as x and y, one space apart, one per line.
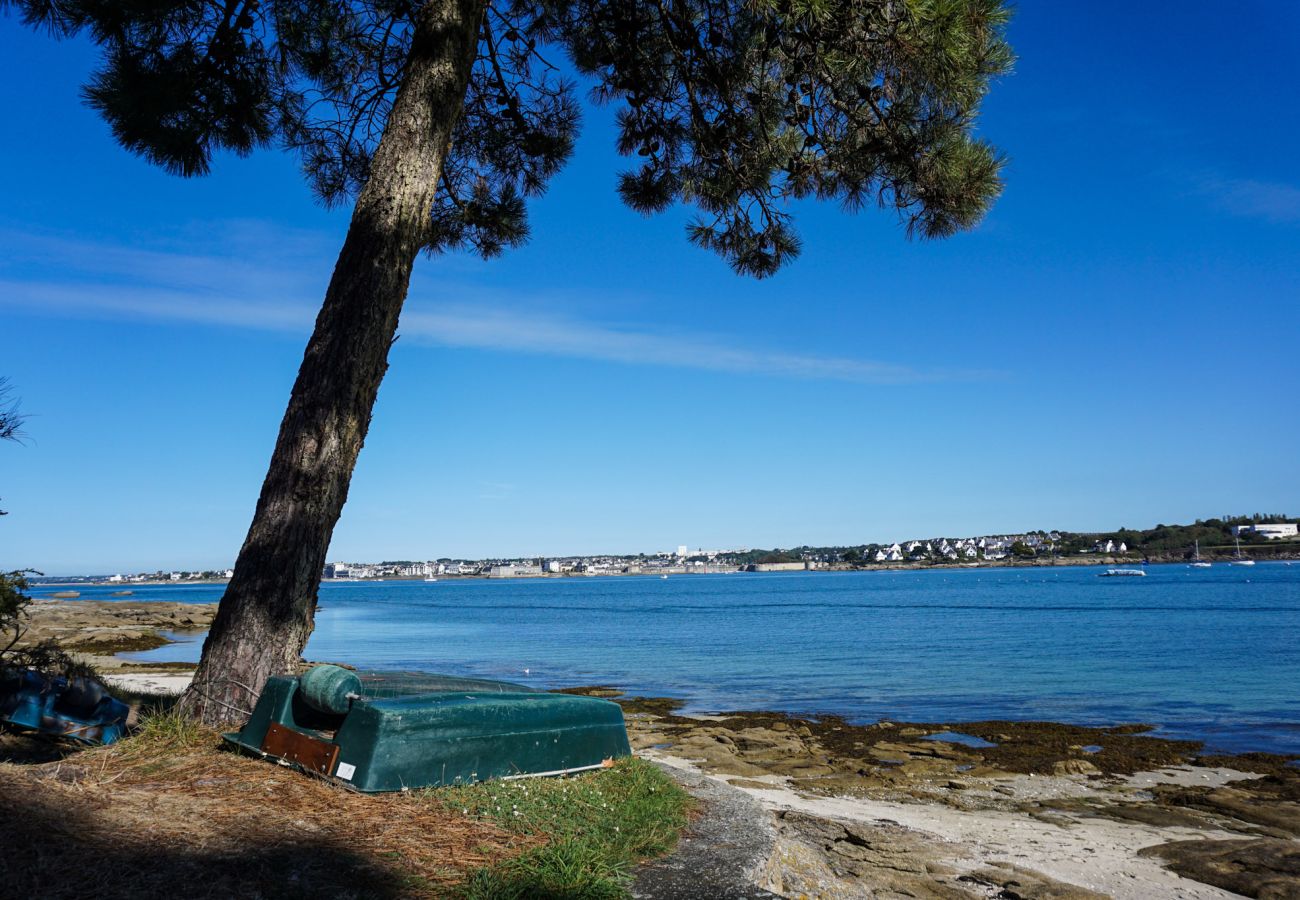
1212 654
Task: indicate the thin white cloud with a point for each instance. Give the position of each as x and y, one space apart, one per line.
156 304
499 329
1268 200
247 258
273 285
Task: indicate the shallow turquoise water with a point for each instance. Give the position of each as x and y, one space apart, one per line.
1209 653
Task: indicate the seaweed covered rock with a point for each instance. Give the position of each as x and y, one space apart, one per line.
1266 868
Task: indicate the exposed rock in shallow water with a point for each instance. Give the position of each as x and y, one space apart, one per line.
1265 868
1027 747
102 628
923 749
767 745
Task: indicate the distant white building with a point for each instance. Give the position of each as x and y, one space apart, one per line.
1273 531
513 571
681 550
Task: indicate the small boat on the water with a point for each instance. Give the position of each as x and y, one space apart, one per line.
1122 573
1240 560
1197 562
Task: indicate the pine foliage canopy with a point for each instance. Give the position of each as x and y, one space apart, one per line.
736 107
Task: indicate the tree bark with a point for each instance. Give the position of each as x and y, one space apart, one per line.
268 609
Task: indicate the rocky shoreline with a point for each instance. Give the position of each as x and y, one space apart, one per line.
930 810
1001 809
97 630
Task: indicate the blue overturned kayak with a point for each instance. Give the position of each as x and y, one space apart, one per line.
471 731
76 708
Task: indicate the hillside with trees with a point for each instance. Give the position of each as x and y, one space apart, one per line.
1177 541
1161 543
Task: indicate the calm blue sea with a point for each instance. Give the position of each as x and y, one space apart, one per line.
1206 653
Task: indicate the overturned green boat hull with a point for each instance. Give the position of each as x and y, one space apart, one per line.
456 736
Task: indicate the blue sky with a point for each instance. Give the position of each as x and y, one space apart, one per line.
1114 345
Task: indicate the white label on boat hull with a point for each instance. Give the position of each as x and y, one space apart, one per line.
346 771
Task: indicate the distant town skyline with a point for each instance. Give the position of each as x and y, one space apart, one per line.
984 546
1114 345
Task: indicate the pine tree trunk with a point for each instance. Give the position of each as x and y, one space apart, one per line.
268 609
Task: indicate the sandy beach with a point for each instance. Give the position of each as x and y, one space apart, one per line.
169 683
925 849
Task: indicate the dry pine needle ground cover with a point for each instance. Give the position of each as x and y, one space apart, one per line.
169 813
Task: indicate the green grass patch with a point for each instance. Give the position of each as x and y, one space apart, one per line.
164 732
598 826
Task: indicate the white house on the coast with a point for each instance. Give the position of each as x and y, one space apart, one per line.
1274 531
892 553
